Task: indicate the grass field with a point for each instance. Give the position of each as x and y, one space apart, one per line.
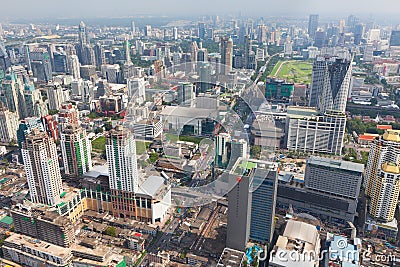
293 71
99 145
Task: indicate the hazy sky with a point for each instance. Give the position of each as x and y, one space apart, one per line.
16 9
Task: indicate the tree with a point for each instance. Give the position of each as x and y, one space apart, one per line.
153 157
111 231
255 151
374 101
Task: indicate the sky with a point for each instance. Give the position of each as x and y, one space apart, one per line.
17 9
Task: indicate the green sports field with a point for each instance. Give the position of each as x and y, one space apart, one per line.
293 71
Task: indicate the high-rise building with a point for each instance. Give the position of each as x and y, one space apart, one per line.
382 176
330 84
226 55
186 94
147 31
368 53
312 25
265 184
60 62
202 30
8 125
121 158
136 90
336 177
133 28
74 66
76 150
10 86
26 126
55 96
5 61
40 63
247 50
39 154
395 38
262 33
175 33
112 73
46 226
68 114
99 54
247 179
359 30
309 132
83 36
278 89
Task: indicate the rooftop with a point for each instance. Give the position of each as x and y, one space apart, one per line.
151 185
230 258
390 167
392 135
337 164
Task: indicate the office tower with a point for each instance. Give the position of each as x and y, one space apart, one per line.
88 72
194 49
45 226
382 176
76 150
308 131
205 76
60 62
55 96
83 36
247 50
222 149
10 87
261 34
278 89
41 64
352 21
74 66
312 25
147 31
8 125
202 55
374 35
39 154
102 88
1 32
358 33
226 55
251 178
87 55
111 72
202 30
99 54
239 210
368 53
320 38
185 94
133 28
335 177
26 126
395 38
5 61
330 84
121 158
129 68
136 90
175 33
265 183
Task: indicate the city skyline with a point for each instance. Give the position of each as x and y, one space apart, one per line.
124 8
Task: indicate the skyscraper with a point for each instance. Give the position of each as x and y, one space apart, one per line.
247 50
263 203
330 84
39 154
74 66
83 36
76 150
121 158
41 64
133 28
226 55
382 176
312 25
251 202
186 94
8 125
395 38
136 90
202 30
